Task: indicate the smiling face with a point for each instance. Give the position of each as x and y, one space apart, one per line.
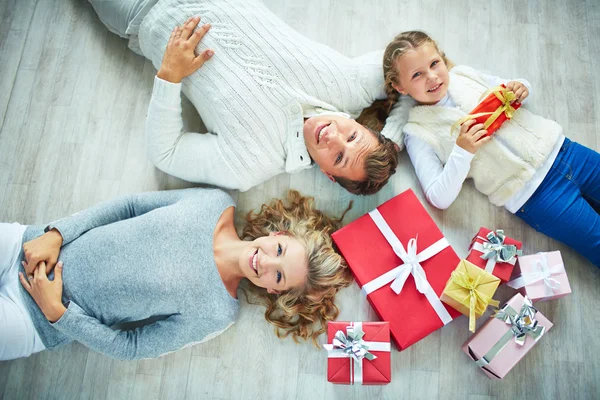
339 145
423 74
277 262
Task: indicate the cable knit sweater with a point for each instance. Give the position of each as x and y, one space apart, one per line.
504 165
251 94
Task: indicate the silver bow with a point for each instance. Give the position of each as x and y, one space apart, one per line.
523 323
493 246
352 344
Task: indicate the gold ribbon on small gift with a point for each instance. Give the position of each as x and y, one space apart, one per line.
476 300
352 345
494 250
522 324
505 96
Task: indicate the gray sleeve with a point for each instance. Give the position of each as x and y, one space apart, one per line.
149 341
121 208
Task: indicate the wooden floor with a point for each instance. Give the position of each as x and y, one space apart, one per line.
73 100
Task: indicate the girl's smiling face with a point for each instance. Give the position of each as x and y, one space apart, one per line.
423 75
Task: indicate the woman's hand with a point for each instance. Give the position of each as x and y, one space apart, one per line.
471 138
521 92
180 60
47 294
44 248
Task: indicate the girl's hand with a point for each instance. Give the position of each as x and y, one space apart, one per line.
471 138
47 294
520 90
180 59
44 248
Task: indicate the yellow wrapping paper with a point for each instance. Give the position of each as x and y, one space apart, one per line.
470 290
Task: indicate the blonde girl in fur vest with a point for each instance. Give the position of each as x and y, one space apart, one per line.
526 166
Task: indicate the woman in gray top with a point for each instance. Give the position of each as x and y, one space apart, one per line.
171 263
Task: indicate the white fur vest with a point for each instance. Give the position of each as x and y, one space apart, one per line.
505 164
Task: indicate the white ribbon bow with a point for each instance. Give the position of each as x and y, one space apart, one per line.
539 272
411 266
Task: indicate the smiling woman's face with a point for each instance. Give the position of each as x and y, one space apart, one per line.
277 262
339 145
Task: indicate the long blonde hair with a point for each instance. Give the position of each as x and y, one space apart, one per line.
374 116
302 312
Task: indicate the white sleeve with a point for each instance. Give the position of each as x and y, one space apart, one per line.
441 183
497 81
190 156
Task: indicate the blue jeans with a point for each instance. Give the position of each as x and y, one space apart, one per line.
566 206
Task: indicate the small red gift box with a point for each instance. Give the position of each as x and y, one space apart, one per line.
495 109
500 253
358 352
399 243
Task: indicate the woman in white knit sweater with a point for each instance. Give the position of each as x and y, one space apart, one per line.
273 100
526 166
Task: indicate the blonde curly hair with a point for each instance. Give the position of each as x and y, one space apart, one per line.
302 312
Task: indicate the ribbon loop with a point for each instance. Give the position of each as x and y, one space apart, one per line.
522 323
494 247
540 271
478 301
412 266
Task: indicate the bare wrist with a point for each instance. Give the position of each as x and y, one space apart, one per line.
168 76
55 313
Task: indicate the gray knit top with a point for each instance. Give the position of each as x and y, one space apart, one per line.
145 259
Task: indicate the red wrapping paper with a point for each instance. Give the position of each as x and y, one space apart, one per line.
376 372
503 271
369 256
491 104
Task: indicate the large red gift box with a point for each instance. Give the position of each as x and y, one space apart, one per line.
499 269
492 104
344 369
411 313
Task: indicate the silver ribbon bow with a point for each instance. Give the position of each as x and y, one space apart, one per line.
494 247
521 324
352 344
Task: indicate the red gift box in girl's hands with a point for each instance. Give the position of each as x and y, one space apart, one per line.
494 110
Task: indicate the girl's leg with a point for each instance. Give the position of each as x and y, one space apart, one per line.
559 210
584 170
18 337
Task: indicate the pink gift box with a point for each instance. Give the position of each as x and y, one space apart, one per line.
541 277
496 348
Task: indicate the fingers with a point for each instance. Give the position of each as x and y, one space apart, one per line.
475 129
204 56
188 27
199 34
521 94
465 126
482 142
40 271
25 282
58 273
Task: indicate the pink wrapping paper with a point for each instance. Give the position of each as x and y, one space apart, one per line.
491 332
554 287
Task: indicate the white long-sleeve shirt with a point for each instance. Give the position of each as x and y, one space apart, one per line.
442 183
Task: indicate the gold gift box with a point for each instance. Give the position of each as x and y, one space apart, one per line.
470 290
